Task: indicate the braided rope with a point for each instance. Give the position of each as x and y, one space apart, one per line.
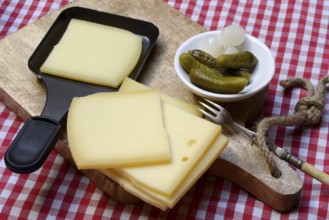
308 111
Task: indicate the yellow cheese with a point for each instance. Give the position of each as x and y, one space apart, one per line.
129 187
94 53
129 84
190 138
164 202
117 130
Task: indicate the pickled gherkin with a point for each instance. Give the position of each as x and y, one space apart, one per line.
241 60
227 74
219 84
241 73
206 59
188 62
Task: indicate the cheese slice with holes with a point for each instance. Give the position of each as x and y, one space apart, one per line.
164 202
94 53
129 84
190 138
117 129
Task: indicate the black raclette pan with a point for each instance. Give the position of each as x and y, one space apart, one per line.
33 143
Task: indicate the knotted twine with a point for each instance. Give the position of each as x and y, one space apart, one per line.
308 111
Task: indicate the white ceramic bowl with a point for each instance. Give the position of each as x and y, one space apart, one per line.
260 77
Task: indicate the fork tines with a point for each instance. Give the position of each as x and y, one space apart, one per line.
212 103
211 108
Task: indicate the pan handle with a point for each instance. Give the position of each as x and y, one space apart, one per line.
32 145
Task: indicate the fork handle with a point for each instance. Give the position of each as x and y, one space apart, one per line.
315 173
286 156
299 163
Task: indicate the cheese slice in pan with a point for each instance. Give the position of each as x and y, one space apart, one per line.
164 202
129 84
94 53
117 129
190 138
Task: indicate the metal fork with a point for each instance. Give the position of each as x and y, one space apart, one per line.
221 116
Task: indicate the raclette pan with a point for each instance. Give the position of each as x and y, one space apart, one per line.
37 137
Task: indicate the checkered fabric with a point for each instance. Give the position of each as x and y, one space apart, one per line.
296 32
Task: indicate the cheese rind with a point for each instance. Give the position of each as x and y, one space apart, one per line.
94 53
190 138
117 130
129 84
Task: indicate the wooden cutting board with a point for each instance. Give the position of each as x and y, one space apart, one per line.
240 163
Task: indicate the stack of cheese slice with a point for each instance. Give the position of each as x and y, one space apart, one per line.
162 147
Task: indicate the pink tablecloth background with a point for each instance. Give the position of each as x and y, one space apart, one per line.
297 34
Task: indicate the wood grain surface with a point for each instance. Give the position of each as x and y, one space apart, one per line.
240 163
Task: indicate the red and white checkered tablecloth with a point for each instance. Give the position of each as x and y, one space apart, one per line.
297 34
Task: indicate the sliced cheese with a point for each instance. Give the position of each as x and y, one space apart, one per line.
117 130
129 84
94 53
126 184
190 138
164 202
